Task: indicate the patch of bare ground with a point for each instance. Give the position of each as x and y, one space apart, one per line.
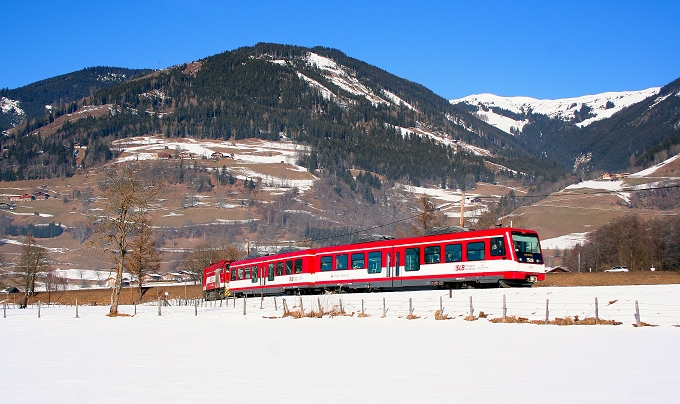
102 297
611 278
557 321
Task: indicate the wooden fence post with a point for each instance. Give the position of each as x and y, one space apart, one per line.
318 301
410 306
637 315
39 304
597 313
384 309
159 305
244 305
261 301
4 310
275 307
301 306
505 310
196 308
362 306
441 307
77 316
450 293
341 309
547 313
285 307
472 309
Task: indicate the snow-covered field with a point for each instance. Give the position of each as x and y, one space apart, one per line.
222 355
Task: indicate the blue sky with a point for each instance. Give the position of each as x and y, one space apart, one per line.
542 49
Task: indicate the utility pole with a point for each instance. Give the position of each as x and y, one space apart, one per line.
462 209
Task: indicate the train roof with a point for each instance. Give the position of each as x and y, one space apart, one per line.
381 242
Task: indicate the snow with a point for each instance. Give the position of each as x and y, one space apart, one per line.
564 242
606 185
564 108
246 152
223 355
10 106
649 171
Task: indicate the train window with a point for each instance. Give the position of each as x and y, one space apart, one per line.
240 273
341 262
475 251
374 262
453 253
412 259
432 255
327 263
298 266
289 267
358 261
279 268
497 247
233 274
270 272
253 271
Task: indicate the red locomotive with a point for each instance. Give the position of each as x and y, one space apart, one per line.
478 258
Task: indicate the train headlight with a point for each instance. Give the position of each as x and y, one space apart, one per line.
531 279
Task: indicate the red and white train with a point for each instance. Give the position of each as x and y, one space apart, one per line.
478 258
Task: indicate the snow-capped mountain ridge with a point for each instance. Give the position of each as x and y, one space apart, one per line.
582 111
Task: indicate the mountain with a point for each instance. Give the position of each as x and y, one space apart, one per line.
510 113
38 99
610 131
350 114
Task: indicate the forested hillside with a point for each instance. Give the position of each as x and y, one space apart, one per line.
350 113
59 90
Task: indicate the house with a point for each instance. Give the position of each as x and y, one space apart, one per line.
172 277
40 195
22 198
11 289
216 156
557 270
151 278
7 206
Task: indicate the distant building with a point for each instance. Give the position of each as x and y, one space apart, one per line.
7 206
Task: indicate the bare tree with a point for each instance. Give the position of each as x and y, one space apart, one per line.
205 254
32 263
144 256
429 215
126 212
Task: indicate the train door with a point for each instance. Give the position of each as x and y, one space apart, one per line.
393 262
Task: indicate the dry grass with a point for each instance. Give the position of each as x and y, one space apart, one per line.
557 321
509 319
471 317
412 316
294 313
438 315
643 324
611 279
363 315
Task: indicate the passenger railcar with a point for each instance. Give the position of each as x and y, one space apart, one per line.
481 258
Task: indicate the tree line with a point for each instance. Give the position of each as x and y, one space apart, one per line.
632 241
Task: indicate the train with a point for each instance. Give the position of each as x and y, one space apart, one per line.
498 257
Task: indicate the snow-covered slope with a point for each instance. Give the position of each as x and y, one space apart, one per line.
10 108
580 110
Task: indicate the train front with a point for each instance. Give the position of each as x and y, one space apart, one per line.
530 264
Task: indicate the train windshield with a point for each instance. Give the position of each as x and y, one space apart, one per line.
527 248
